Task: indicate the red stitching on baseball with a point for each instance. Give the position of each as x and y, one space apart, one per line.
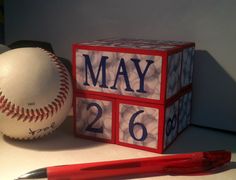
65 77
4 102
47 112
62 68
20 116
14 115
63 73
15 111
27 112
2 97
31 118
55 106
4 110
64 81
64 84
51 108
37 112
63 94
13 106
9 113
61 99
32 112
36 118
58 102
25 118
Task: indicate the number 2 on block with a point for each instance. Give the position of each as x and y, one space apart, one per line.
91 127
132 125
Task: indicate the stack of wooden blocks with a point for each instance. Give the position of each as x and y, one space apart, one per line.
132 92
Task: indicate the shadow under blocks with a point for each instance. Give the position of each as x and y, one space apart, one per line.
214 95
213 111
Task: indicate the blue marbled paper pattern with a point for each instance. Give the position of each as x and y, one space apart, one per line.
184 111
132 43
86 114
146 120
171 123
173 75
187 66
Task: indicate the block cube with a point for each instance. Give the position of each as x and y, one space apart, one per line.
132 92
95 117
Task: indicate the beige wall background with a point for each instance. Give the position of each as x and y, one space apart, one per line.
209 23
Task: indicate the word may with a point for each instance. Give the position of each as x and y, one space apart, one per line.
37 131
121 72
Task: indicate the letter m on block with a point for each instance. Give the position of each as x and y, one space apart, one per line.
89 71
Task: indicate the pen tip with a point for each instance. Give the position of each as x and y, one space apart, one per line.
36 174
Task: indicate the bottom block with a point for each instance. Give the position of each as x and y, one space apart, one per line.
140 125
94 118
177 118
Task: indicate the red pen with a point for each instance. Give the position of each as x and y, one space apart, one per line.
181 164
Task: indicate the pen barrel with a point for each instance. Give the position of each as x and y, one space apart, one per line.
175 164
102 174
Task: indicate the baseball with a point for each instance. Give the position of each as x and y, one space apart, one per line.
35 93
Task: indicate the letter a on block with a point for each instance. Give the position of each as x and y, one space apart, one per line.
122 71
89 68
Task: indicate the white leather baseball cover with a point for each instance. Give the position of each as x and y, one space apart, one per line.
35 93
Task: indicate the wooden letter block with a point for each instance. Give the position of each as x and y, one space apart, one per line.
152 127
94 118
139 125
133 92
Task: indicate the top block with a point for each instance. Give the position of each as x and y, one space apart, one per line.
151 70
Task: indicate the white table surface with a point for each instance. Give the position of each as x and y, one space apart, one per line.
61 147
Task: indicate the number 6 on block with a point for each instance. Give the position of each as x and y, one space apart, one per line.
138 126
94 118
132 127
